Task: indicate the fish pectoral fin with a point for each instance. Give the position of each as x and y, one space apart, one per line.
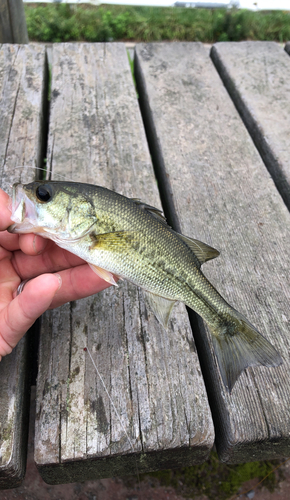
202 251
111 240
105 275
160 306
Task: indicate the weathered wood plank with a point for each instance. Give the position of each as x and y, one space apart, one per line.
218 190
12 22
22 85
153 376
257 77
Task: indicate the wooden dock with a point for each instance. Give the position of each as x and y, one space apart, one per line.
207 138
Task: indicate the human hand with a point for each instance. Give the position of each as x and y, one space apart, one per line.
56 275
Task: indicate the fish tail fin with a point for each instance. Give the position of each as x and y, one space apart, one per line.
237 345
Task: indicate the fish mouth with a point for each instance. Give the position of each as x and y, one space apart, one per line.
23 212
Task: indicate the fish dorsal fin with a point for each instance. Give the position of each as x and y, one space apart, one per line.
158 214
160 306
105 275
202 251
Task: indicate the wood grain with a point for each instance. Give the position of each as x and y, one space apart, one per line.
153 376
22 84
12 22
257 77
216 188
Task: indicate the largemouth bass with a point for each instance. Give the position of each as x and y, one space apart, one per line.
127 238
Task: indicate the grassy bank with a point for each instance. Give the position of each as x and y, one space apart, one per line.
62 22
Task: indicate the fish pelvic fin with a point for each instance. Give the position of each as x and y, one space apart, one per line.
105 275
239 347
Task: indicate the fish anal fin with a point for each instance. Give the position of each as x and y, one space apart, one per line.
202 251
105 275
160 306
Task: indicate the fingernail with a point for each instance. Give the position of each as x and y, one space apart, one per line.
59 281
34 244
38 244
37 251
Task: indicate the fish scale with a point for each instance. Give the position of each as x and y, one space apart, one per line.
127 238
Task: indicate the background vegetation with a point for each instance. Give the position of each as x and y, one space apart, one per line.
63 22
215 480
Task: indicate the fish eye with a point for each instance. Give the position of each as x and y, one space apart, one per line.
44 193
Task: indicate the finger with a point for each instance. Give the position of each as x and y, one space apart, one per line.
8 283
53 259
9 280
77 283
32 244
20 314
5 254
9 241
5 209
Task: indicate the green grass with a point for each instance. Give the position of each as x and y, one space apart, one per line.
63 22
214 479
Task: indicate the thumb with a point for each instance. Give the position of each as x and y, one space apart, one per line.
20 314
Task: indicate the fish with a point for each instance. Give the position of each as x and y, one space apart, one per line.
129 239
